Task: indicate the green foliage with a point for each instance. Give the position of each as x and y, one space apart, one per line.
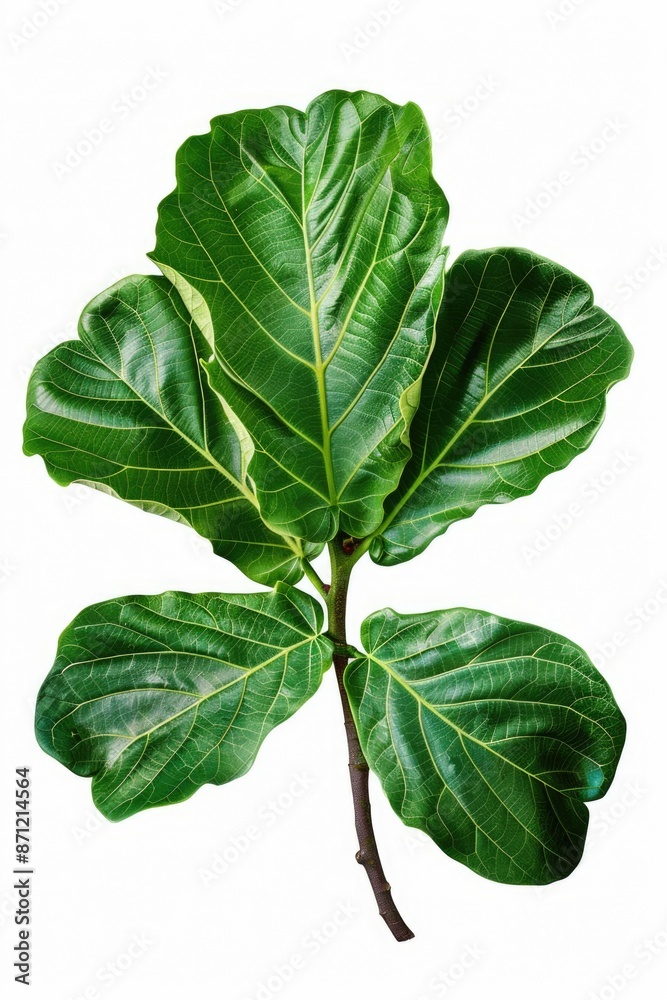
515 389
155 696
306 371
309 247
487 734
127 409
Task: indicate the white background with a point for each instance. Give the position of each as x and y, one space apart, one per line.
516 94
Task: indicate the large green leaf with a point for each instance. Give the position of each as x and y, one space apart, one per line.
308 248
515 389
488 734
156 696
127 409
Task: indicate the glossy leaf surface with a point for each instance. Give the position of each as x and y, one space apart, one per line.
308 248
514 390
488 734
155 696
128 409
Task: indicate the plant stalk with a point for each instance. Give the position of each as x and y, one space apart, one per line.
367 855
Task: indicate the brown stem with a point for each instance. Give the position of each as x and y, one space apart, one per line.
367 855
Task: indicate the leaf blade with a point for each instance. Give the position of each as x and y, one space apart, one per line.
514 390
127 409
487 734
333 224
155 696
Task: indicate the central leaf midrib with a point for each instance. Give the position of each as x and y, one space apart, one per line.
426 471
317 346
321 365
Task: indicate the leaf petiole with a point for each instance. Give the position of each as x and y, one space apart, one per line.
320 586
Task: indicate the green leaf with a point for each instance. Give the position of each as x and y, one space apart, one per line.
127 409
514 390
156 696
487 734
308 248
